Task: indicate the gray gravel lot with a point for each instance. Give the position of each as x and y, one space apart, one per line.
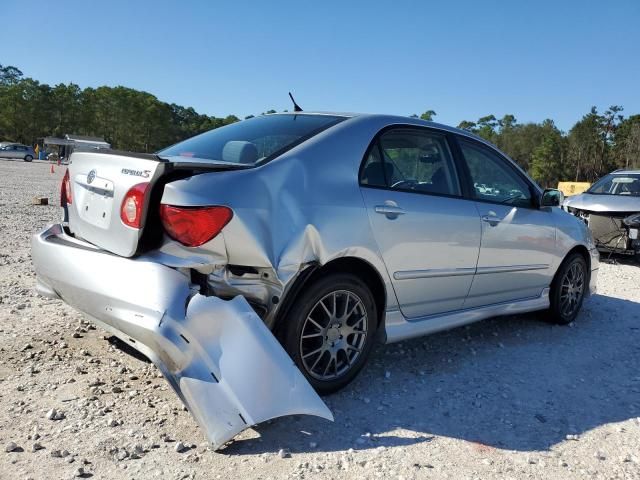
506 398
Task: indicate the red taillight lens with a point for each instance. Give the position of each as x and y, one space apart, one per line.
131 208
193 226
65 190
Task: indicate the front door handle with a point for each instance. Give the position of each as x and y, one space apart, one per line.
389 210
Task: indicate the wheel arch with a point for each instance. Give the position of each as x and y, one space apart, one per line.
353 265
584 252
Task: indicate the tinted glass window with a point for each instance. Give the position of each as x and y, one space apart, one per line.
252 141
373 171
493 179
618 184
414 160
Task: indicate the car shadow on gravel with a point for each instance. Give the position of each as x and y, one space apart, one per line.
514 383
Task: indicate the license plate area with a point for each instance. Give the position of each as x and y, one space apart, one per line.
95 202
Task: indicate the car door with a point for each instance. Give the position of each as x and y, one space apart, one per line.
518 238
427 233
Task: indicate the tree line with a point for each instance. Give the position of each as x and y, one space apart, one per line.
126 118
135 120
597 144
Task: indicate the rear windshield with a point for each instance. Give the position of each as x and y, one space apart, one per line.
618 184
252 141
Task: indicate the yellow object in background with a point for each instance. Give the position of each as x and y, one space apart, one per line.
573 188
37 149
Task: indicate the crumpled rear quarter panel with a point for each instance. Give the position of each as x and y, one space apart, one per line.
301 208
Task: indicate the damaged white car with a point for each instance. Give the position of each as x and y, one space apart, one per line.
258 263
611 209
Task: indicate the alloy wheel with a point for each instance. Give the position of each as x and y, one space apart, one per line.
572 289
333 335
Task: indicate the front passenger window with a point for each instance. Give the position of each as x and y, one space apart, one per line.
493 179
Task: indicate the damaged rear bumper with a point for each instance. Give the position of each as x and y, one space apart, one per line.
220 358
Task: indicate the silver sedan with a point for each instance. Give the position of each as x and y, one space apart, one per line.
258 263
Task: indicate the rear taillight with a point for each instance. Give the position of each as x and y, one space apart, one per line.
193 226
65 190
131 208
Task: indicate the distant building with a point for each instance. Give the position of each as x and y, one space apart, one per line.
64 146
84 141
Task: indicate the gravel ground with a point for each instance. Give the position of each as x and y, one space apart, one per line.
505 398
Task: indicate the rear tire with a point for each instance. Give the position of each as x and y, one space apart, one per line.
330 331
28 158
568 289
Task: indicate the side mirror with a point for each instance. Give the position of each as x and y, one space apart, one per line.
551 198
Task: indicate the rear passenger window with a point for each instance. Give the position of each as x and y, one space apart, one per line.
373 172
412 160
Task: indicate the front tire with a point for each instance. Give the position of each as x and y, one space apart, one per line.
568 289
330 331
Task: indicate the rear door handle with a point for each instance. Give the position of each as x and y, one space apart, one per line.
491 220
389 210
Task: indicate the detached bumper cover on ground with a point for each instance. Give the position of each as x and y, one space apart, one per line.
220 358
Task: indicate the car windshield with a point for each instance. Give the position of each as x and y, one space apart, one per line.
252 141
617 184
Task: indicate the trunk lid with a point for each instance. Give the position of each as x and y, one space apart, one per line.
99 182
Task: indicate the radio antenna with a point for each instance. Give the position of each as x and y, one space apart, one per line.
296 107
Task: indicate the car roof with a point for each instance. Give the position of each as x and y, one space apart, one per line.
392 119
625 172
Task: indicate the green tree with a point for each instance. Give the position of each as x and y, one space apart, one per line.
585 147
626 143
467 125
547 159
428 115
9 75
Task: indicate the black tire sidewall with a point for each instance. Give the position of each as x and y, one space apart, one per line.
555 314
28 158
291 330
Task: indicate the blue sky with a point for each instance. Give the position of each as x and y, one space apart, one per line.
463 59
